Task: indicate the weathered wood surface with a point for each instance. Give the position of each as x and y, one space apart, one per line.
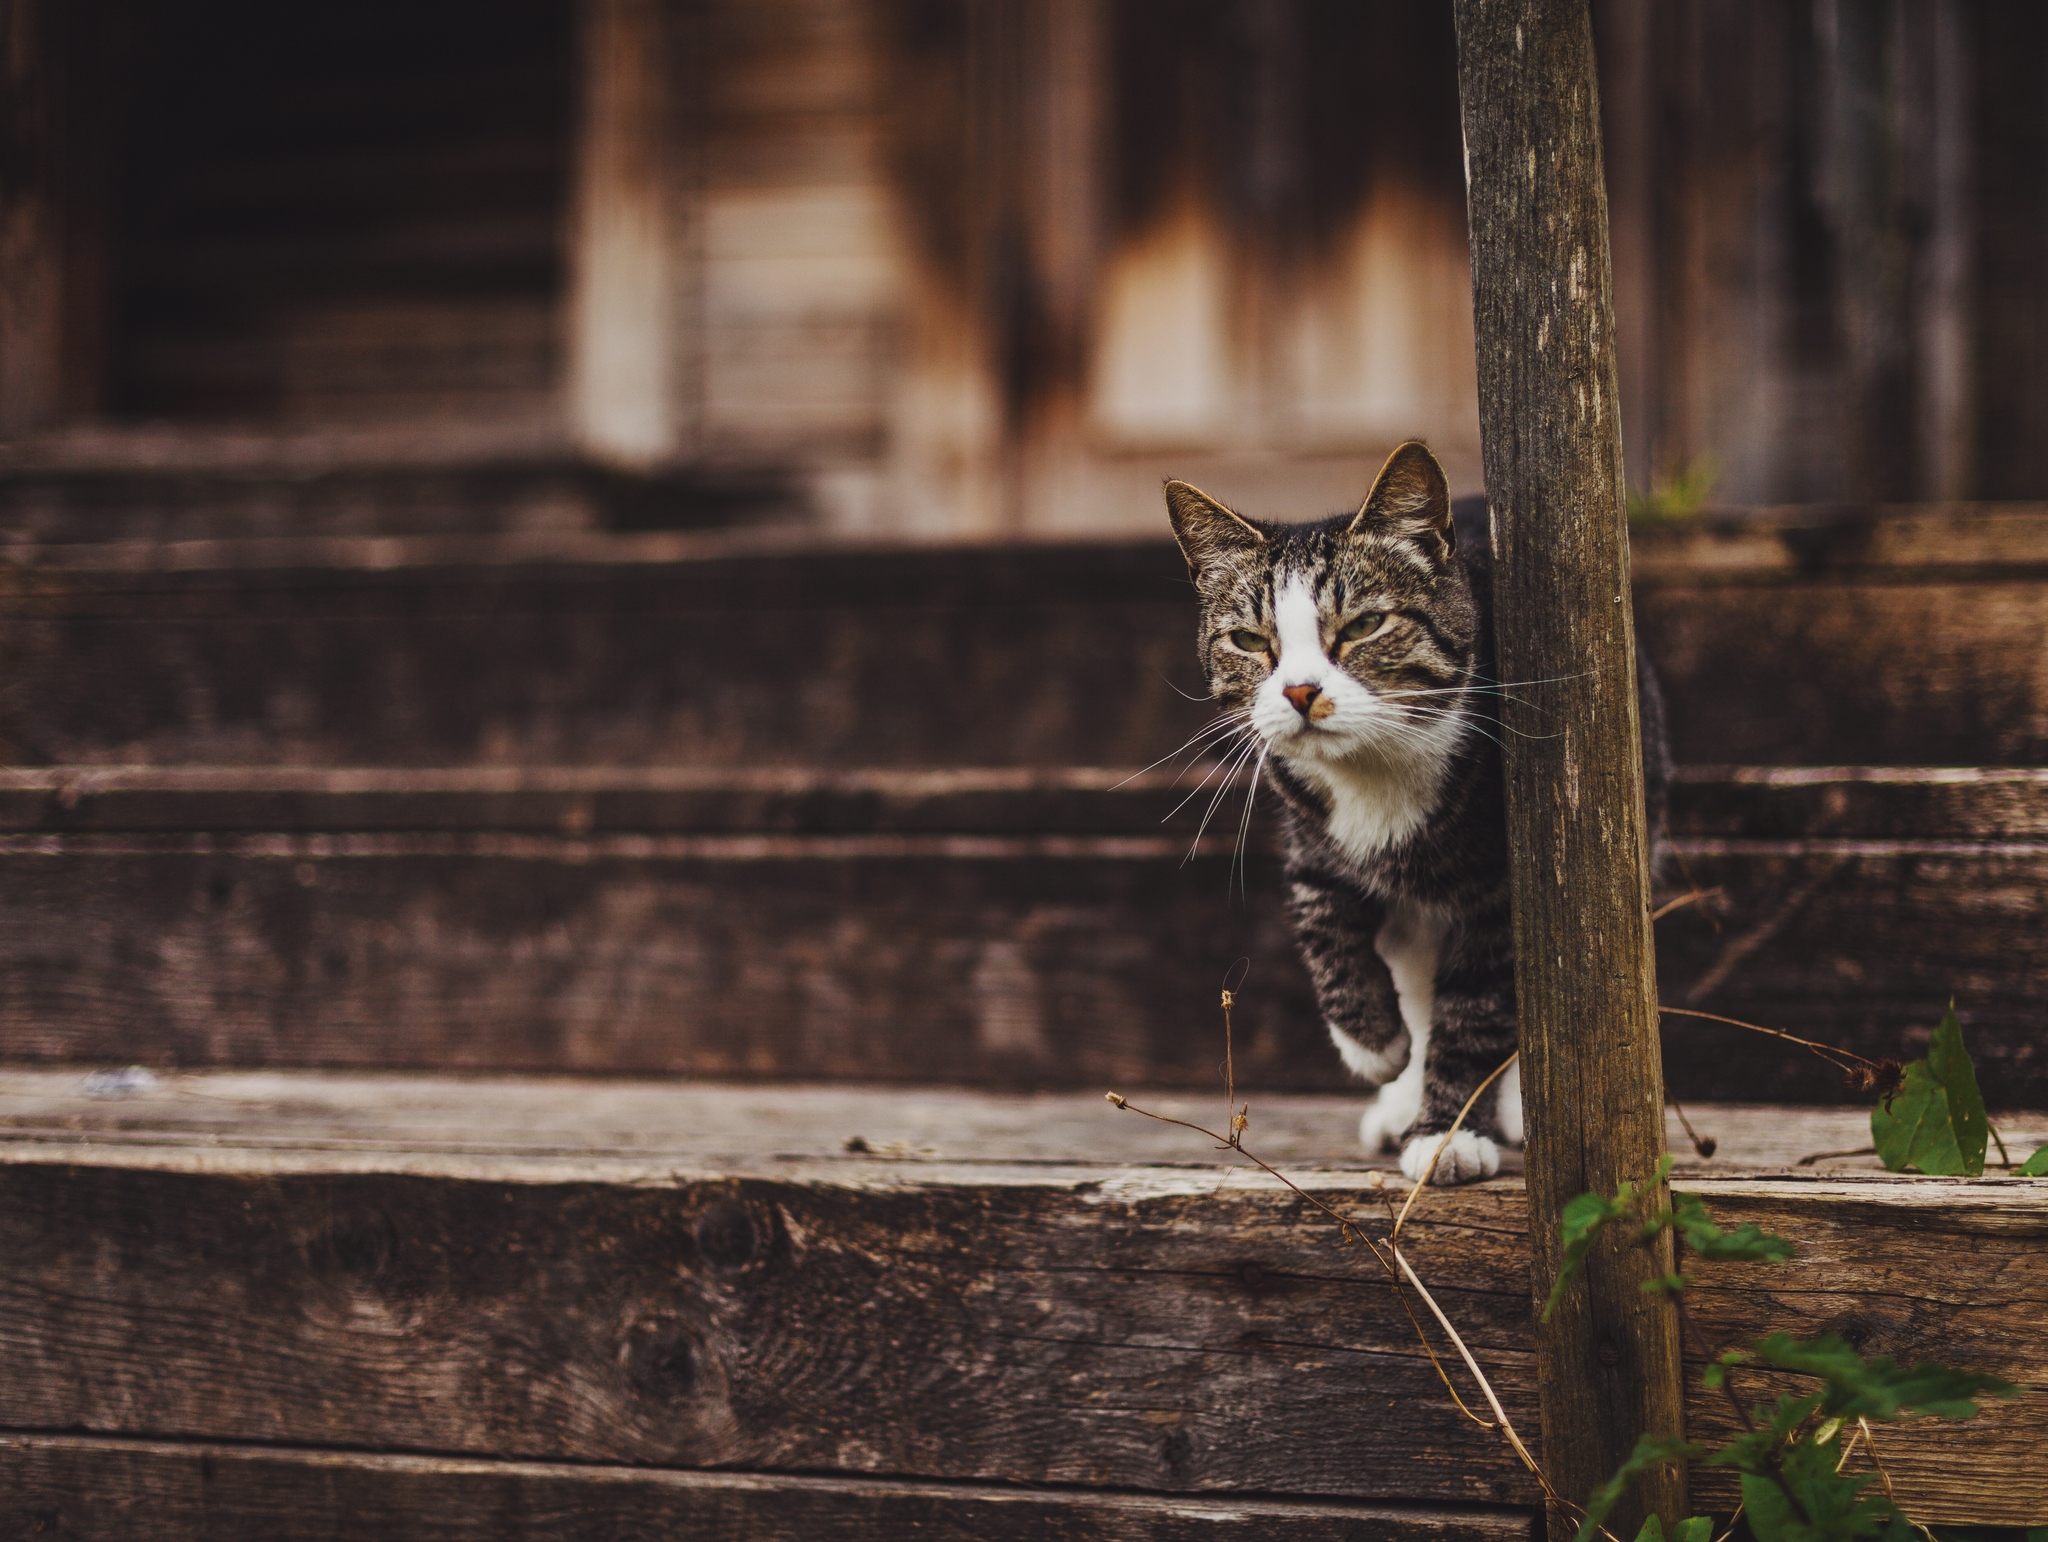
1930 1269
663 648
1078 1324
1188 1328
1741 802
750 1128
983 924
84 1489
1579 841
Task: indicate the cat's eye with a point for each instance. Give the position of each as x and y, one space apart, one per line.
1251 642
1362 626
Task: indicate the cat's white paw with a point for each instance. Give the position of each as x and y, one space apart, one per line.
1390 1114
1467 1158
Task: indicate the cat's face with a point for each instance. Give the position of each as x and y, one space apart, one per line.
1348 639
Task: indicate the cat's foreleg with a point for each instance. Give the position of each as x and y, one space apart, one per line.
1336 925
1472 1031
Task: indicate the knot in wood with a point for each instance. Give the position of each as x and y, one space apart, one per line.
661 1360
726 1235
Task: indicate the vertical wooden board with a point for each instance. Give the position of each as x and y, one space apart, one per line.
1151 1333
130 1491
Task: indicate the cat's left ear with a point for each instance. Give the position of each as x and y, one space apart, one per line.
1209 534
1411 498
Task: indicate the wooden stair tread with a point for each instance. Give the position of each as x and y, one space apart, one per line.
1156 1324
160 1490
741 1128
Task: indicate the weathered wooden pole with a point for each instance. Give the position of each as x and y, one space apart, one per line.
1585 970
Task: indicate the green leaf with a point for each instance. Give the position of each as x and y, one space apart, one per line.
1651 1451
1698 1528
2036 1166
1806 1500
1584 1219
1707 1240
1652 1530
1879 1388
1935 1123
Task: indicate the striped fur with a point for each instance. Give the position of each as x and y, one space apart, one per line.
1356 655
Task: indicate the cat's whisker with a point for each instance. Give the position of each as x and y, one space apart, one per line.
1215 728
1237 764
1236 754
1240 860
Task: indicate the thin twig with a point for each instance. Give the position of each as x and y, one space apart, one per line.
1838 1057
1350 1230
2004 1156
1683 900
1885 1478
1706 1146
1826 1156
1437 1155
1507 1427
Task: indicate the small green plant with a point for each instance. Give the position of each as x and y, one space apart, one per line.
1935 1122
1791 1454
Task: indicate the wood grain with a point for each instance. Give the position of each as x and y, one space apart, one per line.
1930 1269
662 649
1073 1325
86 1489
904 953
1578 839
626 1128
1187 1329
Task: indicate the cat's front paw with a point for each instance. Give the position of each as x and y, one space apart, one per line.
1390 1114
1466 1158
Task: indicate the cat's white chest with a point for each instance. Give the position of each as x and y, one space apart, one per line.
1372 807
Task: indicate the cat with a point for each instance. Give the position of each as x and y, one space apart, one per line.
1355 657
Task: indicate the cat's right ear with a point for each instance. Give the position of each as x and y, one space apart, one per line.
1208 532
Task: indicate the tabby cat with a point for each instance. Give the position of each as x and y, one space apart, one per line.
1355 655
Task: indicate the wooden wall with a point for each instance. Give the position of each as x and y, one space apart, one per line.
992 266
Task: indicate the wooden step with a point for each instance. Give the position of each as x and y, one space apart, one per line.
997 927
1913 640
94 1489
392 1286
137 490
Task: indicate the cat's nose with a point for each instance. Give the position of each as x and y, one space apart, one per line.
1303 697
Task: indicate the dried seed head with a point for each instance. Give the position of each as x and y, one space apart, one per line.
1117 1098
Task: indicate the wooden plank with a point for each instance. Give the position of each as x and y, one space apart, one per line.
1031 1324
1927 1269
1817 673
1753 803
908 950
619 1127
1188 1330
874 658
1579 840
141 1491
1858 943
656 648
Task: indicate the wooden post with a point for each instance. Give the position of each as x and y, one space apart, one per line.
1585 971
